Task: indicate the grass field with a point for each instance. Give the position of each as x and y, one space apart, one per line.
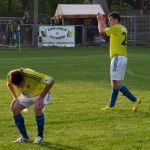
74 120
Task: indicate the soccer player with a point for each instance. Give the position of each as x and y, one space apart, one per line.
34 88
118 55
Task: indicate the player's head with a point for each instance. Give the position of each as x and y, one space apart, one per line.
114 18
17 77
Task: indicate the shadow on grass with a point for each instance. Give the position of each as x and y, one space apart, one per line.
53 146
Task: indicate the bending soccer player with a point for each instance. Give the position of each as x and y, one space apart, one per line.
34 88
118 55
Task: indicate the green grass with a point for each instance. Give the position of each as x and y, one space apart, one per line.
74 120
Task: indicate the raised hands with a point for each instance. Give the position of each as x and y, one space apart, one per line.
100 17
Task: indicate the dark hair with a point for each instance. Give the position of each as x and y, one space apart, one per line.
115 15
17 77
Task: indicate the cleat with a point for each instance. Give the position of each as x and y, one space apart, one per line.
107 108
38 140
136 105
21 140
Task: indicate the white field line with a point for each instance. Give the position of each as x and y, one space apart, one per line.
137 75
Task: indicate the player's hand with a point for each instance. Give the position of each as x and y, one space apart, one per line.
100 17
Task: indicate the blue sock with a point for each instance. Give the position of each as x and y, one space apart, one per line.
40 125
113 97
19 120
125 91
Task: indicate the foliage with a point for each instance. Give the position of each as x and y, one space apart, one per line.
74 120
128 4
115 5
8 8
139 4
15 7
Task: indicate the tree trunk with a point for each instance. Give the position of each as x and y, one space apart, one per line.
109 4
147 5
25 11
35 26
9 5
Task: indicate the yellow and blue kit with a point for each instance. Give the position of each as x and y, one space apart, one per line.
34 82
118 40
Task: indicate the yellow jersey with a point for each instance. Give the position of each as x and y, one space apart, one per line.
34 83
118 40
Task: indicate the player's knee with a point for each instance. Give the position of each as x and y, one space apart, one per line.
115 84
12 106
115 87
15 108
38 111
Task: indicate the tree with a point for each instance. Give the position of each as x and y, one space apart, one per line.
9 5
35 25
134 4
25 5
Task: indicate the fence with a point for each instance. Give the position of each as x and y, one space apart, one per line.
138 32
24 35
138 28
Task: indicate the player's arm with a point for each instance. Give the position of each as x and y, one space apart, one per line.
11 86
46 90
101 23
12 90
40 99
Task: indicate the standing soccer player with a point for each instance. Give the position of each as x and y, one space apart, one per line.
34 88
118 55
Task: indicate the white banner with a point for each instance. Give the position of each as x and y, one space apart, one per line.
57 36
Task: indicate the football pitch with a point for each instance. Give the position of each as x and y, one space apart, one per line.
74 120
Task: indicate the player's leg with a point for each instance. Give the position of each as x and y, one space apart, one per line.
121 71
124 90
115 92
39 117
16 108
39 113
115 76
113 95
115 81
40 128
